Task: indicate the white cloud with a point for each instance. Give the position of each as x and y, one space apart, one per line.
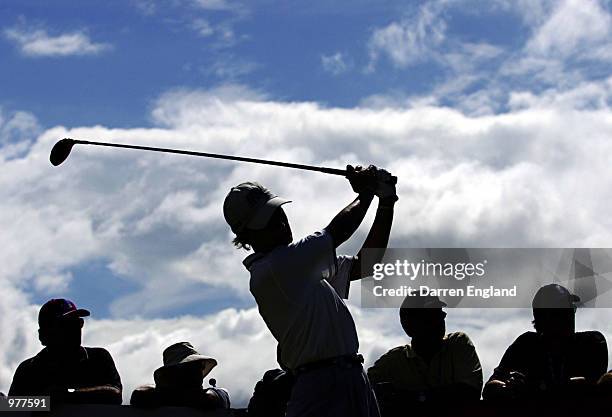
411 39
570 40
532 12
146 7
335 64
568 43
573 27
215 4
537 175
203 27
17 126
17 131
229 67
38 43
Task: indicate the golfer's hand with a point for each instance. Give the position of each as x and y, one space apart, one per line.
385 186
363 181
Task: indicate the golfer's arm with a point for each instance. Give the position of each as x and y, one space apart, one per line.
348 220
376 241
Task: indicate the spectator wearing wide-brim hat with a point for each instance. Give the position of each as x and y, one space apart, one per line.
179 382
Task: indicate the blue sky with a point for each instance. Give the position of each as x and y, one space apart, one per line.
495 116
146 48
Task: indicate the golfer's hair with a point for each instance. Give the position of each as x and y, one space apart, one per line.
242 241
240 244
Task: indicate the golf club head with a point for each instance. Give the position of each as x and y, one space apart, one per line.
60 151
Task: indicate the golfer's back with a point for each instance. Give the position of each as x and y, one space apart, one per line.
305 314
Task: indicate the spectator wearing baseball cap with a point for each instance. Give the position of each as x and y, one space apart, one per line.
179 382
64 369
553 361
299 288
434 367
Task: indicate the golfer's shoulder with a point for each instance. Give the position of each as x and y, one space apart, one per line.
316 238
316 245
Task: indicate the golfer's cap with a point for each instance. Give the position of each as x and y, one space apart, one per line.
416 300
554 296
57 309
250 205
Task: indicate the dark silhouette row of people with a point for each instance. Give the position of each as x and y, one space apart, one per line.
554 360
71 373
300 287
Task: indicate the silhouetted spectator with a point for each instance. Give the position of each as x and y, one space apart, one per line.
64 369
271 394
554 360
604 385
299 289
179 382
434 367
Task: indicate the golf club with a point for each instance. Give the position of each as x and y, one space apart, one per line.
61 150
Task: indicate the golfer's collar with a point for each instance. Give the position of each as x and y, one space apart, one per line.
252 258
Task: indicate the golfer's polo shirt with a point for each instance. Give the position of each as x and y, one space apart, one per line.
455 362
299 290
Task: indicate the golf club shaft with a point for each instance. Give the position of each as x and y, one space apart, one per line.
326 170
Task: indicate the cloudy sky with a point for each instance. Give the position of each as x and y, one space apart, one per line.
496 117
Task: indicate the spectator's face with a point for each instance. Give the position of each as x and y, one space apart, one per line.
184 376
64 334
555 323
427 324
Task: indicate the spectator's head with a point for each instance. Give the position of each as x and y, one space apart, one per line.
183 367
422 317
554 311
60 323
256 217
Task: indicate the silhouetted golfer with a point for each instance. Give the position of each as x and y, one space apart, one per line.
554 360
179 382
299 288
433 367
64 369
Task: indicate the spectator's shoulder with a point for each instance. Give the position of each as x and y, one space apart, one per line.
459 338
527 338
590 336
27 364
98 353
393 355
